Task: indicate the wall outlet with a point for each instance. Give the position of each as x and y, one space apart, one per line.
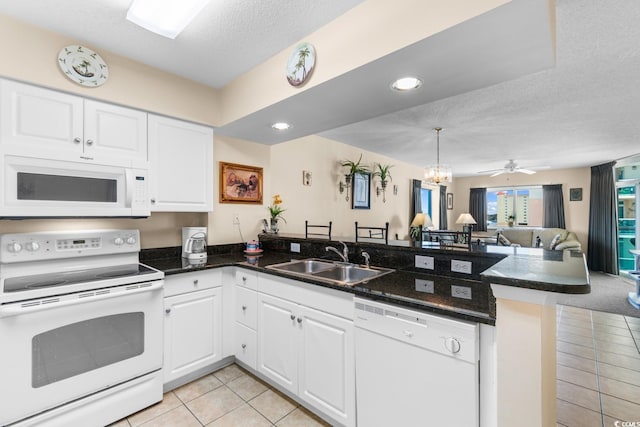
424 262
463 292
236 219
461 266
295 247
306 177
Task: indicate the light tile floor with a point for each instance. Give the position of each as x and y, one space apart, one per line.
598 368
226 398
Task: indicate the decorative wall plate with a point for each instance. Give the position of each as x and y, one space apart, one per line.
300 64
83 66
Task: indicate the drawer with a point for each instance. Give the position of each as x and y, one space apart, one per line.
246 345
247 278
177 284
246 310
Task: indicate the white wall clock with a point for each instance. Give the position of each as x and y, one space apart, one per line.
300 64
83 66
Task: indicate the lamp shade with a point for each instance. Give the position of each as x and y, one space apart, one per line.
422 219
465 218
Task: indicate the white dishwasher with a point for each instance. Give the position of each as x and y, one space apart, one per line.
414 369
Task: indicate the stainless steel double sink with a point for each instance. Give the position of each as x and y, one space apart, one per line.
339 273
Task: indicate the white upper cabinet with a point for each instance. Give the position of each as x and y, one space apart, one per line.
181 166
40 119
111 131
55 125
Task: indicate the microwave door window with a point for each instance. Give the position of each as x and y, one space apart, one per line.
35 186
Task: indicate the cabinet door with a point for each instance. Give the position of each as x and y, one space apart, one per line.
112 132
181 166
326 371
39 120
192 329
277 341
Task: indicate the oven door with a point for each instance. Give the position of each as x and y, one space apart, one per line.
50 188
62 348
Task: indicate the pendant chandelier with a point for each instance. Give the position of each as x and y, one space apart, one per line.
437 174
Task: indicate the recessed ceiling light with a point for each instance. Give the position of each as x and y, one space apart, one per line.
406 83
281 126
165 17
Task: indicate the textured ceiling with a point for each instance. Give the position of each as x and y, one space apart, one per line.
583 111
227 39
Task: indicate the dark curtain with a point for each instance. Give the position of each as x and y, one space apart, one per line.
417 198
478 207
552 206
603 229
443 207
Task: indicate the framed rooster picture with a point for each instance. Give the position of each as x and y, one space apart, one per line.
240 183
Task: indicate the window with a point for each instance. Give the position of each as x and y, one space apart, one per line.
521 205
425 193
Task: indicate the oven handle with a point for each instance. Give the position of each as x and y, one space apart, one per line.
29 307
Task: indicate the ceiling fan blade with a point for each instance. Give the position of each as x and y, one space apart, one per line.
500 172
490 171
527 171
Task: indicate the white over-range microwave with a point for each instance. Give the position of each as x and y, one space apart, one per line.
33 187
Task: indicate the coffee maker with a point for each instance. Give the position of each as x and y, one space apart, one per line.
194 244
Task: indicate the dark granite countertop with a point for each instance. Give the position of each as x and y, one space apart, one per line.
441 292
551 271
403 287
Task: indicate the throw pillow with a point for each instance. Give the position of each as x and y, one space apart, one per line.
554 242
503 241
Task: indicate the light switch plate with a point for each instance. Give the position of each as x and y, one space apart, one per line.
295 247
425 262
461 266
425 286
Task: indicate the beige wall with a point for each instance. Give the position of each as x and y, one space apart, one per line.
576 213
322 202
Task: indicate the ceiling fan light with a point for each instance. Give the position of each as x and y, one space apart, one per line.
164 17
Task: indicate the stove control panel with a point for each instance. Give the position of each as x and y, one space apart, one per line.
21 247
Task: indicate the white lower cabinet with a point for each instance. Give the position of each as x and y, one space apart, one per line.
192 323
308 352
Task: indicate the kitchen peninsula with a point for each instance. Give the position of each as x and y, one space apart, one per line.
508 291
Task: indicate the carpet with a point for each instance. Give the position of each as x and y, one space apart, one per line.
608 294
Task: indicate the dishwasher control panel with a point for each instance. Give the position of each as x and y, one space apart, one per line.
440 334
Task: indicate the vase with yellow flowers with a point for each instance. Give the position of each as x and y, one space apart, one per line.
275 210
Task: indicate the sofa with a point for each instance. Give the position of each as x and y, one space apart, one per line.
550 238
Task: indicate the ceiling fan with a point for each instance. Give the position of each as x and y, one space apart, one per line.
512 167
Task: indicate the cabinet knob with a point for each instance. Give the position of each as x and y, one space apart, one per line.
77 140
293 317
244 346
299 319
168 310
244 307
195 282
89 141
153 201
244 278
